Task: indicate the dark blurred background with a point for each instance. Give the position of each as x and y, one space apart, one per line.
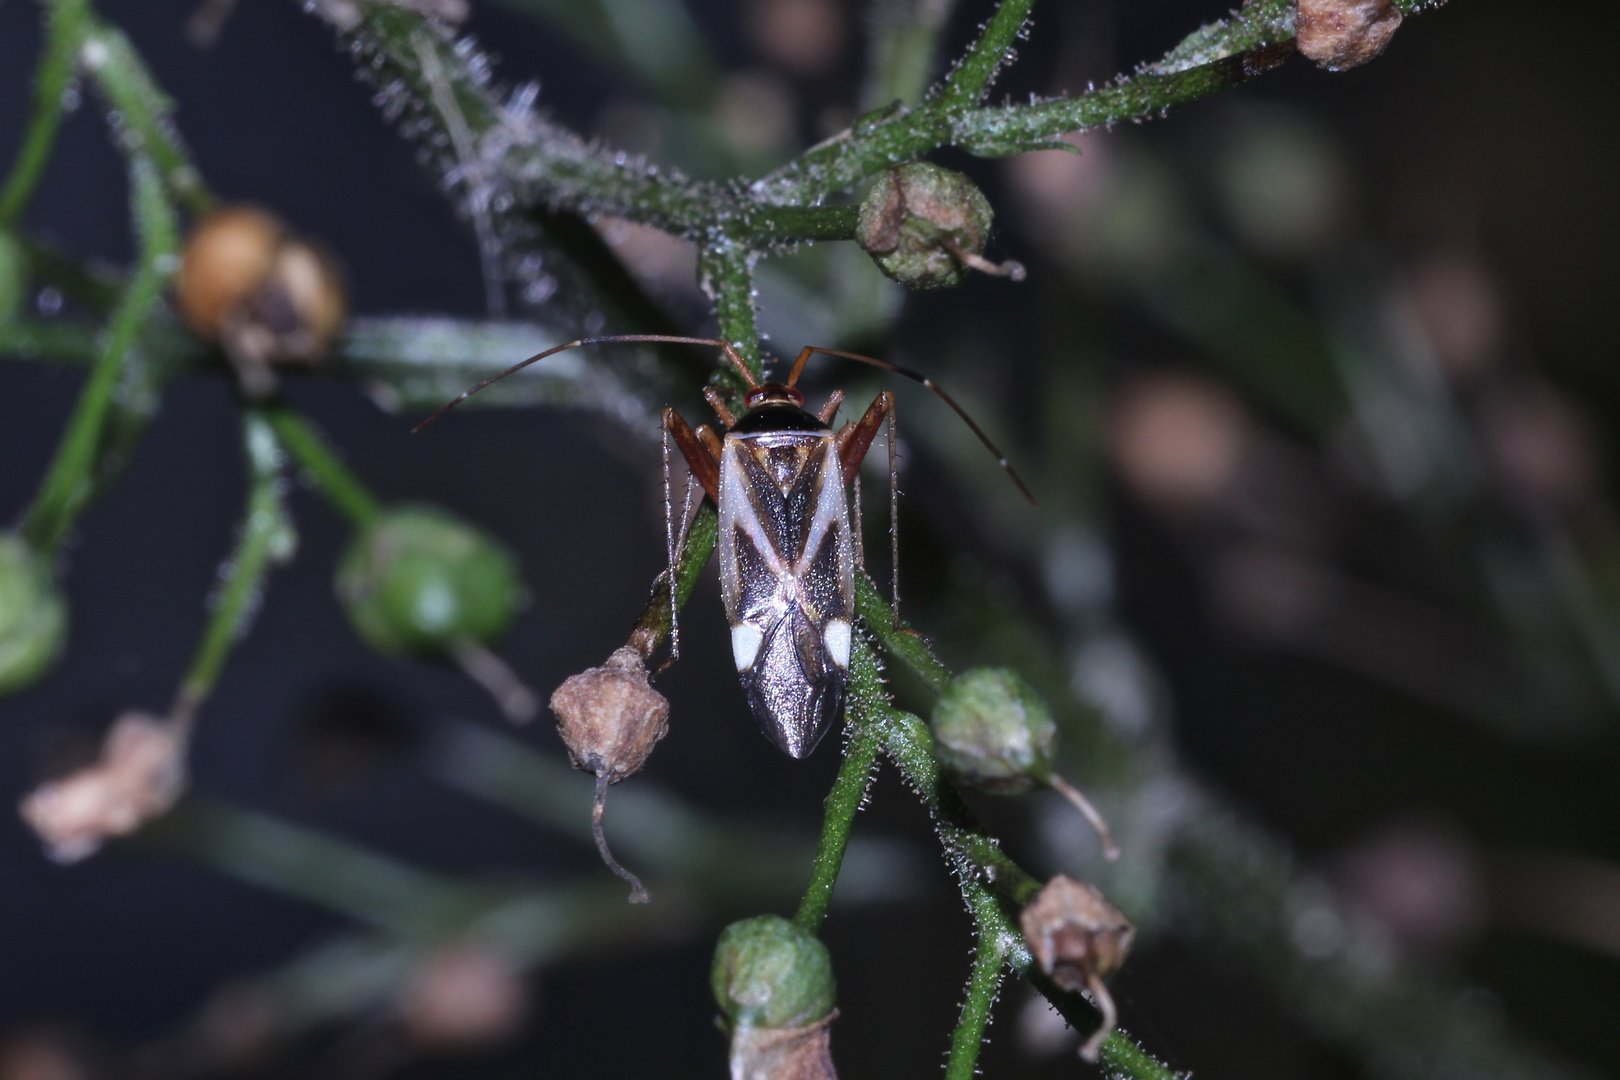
1280 541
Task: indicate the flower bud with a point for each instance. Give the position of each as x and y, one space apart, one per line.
610 718
1079 939
991 727
1341 34
13 277
419 580
993 730
268 297
771 973
139 775
925 226
33 615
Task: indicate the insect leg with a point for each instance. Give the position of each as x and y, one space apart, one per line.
718 404
856 439
700 458
853 442
830 410
705 470
894 517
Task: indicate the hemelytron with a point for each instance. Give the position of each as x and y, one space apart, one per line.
779 477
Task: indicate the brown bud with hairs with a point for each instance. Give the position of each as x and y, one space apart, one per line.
610 718
1079 939
1342 34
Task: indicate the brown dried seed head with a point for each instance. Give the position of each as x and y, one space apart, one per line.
1341 34
801 1053
139 775
1079 939
610 718
1075 934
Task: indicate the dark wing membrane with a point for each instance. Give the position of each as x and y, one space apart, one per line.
795 692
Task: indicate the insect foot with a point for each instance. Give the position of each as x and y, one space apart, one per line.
139 775
1341 34
610 718
33 615
420 581
994 731
926 226
774 984
1079 939
270 298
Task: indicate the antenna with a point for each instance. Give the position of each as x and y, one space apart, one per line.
723 346
811 350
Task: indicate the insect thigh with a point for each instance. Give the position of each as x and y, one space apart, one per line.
787 579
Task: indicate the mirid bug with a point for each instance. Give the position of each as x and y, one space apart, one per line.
780 477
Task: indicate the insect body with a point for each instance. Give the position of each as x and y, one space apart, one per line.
780 477
787 569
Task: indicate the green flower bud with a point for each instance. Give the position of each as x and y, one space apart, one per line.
771 973
991 727
33 615
419 580
925 226
992 730
13 277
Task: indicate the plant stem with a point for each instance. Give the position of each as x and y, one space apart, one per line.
901 46
334 479
538 162
845 798
145 114
989 955
69 483
652 628
971 80
899 641
264 537
726 272
65 25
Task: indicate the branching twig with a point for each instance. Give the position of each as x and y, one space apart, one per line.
265 537
68 485
333 479
65 24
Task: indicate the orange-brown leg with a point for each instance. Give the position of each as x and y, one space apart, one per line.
701 450
853 442
856 439
700 458
830 410
718 404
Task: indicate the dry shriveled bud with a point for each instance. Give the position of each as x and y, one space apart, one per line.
993 730
1341 34
1079 939
139 775
33 615
268 297
925 226
610 718
462 996
801 1053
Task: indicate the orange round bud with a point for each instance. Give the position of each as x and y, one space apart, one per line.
227 258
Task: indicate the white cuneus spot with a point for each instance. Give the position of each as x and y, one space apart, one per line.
745 639
837 638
